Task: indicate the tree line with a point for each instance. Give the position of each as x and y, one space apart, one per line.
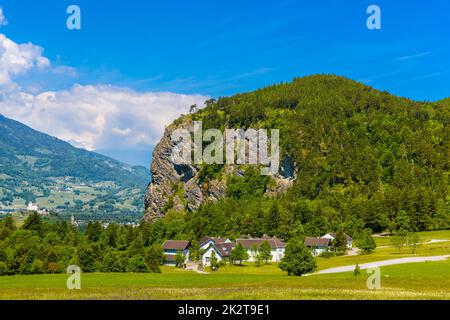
50 247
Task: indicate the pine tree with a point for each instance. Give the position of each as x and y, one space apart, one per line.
273 219
403 222
340 242
33 222
357 270
366 242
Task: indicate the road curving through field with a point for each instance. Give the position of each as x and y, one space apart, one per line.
382 263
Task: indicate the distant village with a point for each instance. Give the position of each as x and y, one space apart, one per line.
44 212
100 201
221 248
31 207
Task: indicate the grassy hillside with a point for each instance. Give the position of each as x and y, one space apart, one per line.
40 168
445 102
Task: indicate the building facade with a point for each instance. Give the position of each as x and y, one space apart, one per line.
332 236
172 247
277 247
317 246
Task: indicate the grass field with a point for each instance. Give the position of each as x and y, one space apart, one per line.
434 249
427 280
424 237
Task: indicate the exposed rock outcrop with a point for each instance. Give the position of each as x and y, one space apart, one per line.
178 187
166 175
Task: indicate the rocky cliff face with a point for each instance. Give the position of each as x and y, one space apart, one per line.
178 187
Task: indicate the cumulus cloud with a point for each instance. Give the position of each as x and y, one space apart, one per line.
100 116
93 117
3 20
17 59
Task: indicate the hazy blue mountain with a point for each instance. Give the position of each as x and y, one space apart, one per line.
130 156
37 167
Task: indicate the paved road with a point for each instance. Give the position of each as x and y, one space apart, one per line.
383 263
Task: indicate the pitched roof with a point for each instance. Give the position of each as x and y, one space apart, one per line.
274 242
317 242
175 245
204 240
225 248
333 234
280 243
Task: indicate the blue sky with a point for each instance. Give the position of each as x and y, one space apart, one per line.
223 47
214 48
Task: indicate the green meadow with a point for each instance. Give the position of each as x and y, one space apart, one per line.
424 237
426 280
386 253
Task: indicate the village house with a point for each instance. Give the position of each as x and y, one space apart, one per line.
277 247
317 246
34 207
332 236
172 247
325 243
222 248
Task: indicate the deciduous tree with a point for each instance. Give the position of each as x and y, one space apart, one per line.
297 259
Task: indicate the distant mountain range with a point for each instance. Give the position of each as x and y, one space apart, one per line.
40 168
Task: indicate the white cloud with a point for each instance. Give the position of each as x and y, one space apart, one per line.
413 56
69 71
17 59
121 132
3 20
100 116
94 117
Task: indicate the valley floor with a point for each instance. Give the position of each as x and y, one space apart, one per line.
415 280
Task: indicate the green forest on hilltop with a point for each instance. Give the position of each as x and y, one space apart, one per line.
364 159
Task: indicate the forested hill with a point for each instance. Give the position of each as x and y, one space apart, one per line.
445 102
363 158
32 164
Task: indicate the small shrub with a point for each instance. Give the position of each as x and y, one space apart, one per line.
137 264
3 269
37 267
357 271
